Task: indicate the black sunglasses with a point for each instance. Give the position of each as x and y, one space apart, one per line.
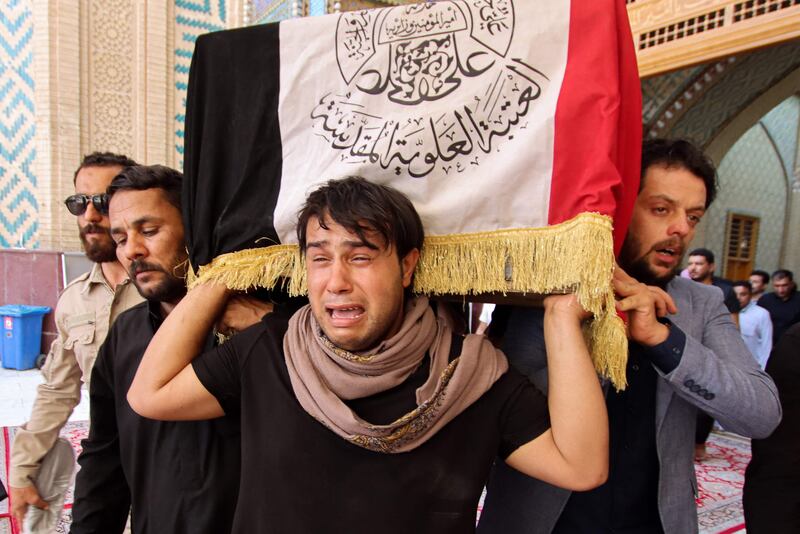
77 204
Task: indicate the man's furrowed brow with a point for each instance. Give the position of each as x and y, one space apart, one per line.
350 243
146 219
317 244
361 243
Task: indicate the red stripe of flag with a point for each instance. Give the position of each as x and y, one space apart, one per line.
598 120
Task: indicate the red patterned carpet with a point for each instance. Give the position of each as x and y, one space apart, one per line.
720 479
74 432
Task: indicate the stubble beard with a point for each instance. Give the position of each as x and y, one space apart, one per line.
101 250
379 331
639 267
376 333
171 289
705 279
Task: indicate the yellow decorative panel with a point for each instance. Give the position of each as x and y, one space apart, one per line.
671 34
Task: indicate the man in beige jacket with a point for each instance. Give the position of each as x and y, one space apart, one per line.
84 313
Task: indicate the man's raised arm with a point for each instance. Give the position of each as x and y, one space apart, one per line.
166 386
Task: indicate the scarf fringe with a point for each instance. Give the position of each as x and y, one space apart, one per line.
575 256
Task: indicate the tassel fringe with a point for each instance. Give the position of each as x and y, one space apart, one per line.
274 266
572 257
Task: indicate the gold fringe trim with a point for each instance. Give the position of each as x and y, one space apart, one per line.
607 340
575 256
273 266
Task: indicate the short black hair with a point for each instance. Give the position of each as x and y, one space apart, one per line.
763 274
707 254
103 159
680 153
781 274
142 177
361 206
744 283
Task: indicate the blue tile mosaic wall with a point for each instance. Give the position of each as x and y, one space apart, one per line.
272 10
192 19
19 221
196 17
317 7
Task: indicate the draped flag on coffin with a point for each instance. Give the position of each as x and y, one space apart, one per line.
514 126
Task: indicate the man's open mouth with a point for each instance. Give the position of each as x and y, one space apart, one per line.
345 312
669 251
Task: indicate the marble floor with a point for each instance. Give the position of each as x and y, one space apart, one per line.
18 391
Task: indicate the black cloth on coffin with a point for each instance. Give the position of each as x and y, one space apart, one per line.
232 160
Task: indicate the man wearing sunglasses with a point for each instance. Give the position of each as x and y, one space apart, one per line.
84 313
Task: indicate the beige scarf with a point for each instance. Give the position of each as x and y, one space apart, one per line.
324 375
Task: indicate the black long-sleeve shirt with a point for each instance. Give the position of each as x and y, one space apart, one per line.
784 313
176 477
300 477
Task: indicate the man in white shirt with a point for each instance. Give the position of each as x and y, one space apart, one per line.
754 324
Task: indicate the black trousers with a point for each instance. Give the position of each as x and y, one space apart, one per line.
704 425
771 505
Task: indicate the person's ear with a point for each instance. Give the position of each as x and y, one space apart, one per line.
408 264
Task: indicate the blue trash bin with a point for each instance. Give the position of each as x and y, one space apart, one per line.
22 335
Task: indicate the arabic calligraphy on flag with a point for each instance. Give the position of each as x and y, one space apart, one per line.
514 126
427 97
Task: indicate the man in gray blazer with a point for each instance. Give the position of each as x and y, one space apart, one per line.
685 355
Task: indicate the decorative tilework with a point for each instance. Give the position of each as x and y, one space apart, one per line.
355 5
265 11
752 74
316 7
782 126
659 91
18 205
751 181
691 91
192 19
110 111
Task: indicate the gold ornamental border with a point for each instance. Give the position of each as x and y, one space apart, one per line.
575 256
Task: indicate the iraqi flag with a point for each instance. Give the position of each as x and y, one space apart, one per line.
514 126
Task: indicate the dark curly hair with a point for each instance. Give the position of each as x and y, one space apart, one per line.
361 206
141 177
103 159
680 153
